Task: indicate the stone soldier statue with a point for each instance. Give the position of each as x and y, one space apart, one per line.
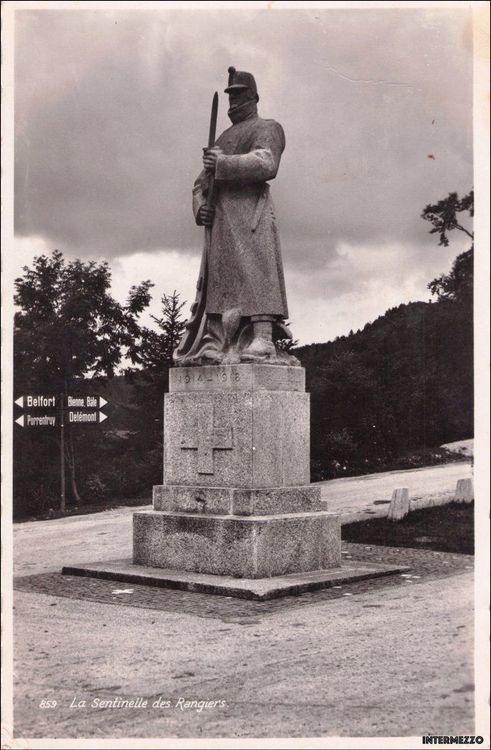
241 306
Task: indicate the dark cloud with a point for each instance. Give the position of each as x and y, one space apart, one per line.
112 112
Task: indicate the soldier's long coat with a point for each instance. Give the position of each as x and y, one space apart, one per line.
244 263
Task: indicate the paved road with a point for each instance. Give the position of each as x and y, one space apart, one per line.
108 535
357 497
397 662
42 546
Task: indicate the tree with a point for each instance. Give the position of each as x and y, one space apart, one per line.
157 347
349 418
287 345
69 327
443 215
458 284
151 381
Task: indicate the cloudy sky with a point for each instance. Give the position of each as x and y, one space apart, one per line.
112 110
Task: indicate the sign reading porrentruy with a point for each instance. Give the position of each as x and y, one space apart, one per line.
206 439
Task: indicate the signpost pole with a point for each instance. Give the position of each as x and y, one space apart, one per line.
86 410
62 453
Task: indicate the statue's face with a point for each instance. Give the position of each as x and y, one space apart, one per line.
238 97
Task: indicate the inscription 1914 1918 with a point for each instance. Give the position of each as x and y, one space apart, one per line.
221 375
241 377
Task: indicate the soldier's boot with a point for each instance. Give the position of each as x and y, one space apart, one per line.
262 342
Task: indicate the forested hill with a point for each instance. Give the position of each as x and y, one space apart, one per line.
404 383
382 398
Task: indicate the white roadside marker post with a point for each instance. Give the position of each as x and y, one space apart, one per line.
464 492
399 505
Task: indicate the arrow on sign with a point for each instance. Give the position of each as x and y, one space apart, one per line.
20 402
102 416
102 402
20 420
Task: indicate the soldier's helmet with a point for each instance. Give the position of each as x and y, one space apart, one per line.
239 80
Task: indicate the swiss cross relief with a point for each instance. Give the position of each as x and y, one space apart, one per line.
205 437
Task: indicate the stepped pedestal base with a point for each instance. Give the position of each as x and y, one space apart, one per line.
259 589
240 546
238 501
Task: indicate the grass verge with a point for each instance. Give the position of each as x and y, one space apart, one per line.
444 528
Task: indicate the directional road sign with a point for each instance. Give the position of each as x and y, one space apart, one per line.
85 402
37 420
86 417
44 402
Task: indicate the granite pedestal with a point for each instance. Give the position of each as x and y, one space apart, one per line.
236 514
236 499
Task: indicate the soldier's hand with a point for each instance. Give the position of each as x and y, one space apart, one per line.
210 157
205 216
